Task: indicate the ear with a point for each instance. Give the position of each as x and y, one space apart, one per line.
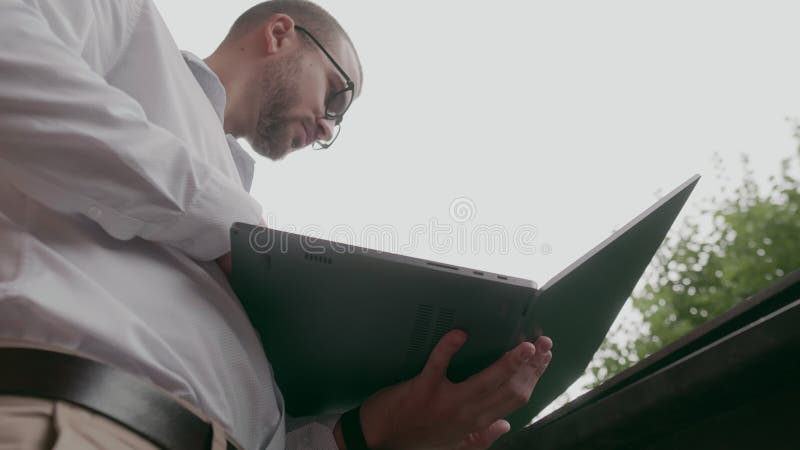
279 33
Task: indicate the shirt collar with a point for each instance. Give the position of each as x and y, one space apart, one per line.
215 92
209 81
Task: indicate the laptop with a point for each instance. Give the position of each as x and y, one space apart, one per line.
339 322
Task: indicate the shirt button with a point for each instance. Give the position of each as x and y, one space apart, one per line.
94 212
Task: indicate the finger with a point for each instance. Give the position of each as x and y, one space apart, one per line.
436 367
543 344
489 379
494 431
540 362
517 391
484 439
225 263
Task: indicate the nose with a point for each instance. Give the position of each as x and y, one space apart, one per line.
324 129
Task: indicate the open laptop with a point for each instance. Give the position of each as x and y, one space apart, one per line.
339 322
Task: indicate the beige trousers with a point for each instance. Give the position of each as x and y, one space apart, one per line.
34 423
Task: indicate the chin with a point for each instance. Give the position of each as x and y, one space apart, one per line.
278 155
273 143
264 149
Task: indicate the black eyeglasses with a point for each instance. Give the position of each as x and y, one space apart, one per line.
338 103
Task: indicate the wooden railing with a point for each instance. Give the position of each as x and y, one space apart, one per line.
734 382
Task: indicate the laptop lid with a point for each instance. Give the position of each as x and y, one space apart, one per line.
577 307
339 322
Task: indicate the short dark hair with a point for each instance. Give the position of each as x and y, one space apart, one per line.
305 13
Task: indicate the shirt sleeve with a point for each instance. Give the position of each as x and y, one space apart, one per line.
78 145
311 433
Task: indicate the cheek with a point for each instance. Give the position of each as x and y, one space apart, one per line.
299 102
302 106
302 94
312 89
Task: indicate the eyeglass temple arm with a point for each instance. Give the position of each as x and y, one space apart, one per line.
335 64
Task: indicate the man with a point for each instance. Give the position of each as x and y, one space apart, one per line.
119 179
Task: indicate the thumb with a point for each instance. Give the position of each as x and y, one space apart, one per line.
484 439
436 367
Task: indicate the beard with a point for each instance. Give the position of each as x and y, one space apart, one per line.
279 92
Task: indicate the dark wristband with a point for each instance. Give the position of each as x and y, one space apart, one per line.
351 430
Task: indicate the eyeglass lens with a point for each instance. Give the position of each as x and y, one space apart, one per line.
338 104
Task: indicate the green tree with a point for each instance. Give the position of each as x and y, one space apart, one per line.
740 243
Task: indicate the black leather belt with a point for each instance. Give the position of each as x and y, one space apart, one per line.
119 396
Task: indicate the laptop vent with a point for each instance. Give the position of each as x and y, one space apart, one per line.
444 323
427 331
422 326
317 258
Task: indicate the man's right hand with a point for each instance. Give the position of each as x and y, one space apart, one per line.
430 412
225 263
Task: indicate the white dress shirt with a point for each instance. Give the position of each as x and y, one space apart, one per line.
117 190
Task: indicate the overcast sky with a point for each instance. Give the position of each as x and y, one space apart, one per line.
563 117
